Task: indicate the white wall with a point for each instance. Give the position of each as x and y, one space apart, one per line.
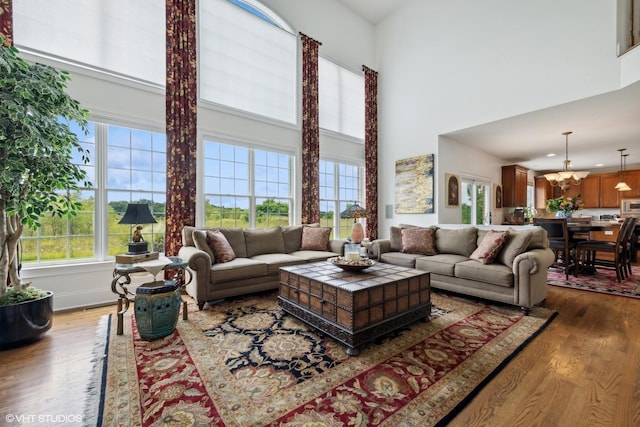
346 38
450 65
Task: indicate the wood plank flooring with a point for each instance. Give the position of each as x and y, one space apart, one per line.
583 370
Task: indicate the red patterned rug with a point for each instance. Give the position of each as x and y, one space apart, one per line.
243 362
603 281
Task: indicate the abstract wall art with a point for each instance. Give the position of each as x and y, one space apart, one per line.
414 185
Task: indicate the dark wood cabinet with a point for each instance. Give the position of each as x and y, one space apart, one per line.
632 178
514 186
591 191
543 190
609 196
597 190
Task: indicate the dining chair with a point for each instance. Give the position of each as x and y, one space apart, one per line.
627 260
580 236
588 251
559 243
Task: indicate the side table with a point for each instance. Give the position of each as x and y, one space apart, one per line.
122 278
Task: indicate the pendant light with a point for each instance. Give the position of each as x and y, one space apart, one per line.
566 177
622 186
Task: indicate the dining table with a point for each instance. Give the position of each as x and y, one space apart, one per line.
583 227
575 228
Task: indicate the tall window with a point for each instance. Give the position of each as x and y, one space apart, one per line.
61 239
246 187
136 172
133 169
475 202
339 188
341 99
247 59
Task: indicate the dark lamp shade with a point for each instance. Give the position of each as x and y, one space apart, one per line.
354 211
138 213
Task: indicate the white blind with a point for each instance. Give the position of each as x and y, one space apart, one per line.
123 36
245 62
341 99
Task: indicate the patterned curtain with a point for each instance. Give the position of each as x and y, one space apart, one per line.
181 110
371 150
6 22
310 132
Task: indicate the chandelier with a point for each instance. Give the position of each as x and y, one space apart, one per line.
565 178
622 186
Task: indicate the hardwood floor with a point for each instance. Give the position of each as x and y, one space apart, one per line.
583 370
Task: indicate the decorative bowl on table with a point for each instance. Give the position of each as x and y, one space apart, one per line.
351 264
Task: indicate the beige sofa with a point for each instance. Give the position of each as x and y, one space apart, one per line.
258 256
517 276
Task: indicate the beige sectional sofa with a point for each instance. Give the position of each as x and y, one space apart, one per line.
254 262
517 276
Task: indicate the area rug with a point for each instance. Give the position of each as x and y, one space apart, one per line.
244 362
603 281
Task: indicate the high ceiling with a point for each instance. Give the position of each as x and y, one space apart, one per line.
601 124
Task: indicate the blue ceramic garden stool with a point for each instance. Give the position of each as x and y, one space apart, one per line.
157 306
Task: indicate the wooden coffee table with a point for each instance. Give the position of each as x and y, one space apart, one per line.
355 307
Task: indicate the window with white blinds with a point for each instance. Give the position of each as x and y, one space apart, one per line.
341 99
246 62
126 37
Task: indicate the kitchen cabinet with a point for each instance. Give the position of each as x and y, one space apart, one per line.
632 178
597 190
573 191
606 236
514 186
609 196
591 191
543 190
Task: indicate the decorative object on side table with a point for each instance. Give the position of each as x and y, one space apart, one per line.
122 279
136 214
564 207
157 307
356 212
352 265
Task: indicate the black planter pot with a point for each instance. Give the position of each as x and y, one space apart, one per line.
25 322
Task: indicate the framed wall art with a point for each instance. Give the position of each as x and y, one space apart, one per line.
414 185
497 196
452 188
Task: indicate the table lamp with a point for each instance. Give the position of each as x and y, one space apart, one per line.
136 214
355 211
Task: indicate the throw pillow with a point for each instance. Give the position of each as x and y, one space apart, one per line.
516 244
490 246
292 235
222 250
419 240
395 238
315 238
200 242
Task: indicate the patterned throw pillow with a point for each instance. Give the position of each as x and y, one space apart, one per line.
315 238
490 246
222 250
419 240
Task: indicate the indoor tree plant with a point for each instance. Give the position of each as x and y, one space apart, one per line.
37 173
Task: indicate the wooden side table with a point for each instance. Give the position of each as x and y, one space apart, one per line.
122 278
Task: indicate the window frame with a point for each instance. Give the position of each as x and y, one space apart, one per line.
341 227
252 196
